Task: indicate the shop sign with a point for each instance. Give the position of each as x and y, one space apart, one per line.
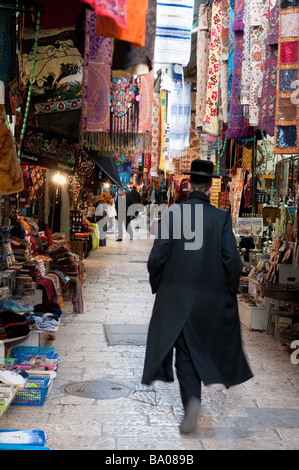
48 150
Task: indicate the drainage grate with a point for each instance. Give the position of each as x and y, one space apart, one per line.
99 389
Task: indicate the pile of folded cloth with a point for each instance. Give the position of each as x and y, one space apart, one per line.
63 260
45 317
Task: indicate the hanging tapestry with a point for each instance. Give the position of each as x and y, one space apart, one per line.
95 116
179 119
173 32
145 105
135 30
286 138
136 60
231 52
245 74
211 123
223 85
268 99
155 136
203 41
58 71
238 127
124 113
115 10
258 35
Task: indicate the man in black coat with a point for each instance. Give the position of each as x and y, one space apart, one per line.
194 269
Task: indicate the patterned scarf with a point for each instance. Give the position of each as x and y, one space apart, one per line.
211 124
267 105
95 116
203 40
286 138
238 127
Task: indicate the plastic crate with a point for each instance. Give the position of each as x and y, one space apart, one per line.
31 350
31 367
21 447
34 393
42 358
23 437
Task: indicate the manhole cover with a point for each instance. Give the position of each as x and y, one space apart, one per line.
98 389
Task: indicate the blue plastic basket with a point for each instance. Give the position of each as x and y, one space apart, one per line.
21 358
31 350
30 437
21 447
33 396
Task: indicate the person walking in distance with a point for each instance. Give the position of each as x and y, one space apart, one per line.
195 314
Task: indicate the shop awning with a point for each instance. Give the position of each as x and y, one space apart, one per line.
106 164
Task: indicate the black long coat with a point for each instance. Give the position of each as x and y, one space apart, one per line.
196 292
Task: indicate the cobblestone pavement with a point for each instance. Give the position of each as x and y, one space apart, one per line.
261 414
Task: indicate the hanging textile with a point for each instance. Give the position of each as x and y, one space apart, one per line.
179 120
193 151
155 136
238 126
115 10
145 107
135 30
162 129
286 138
203 41
258 35
124 113
231 52
268 99
245 74
95 116
129 60
173 32
223 88
211 123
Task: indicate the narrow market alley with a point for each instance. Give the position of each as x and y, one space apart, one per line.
260 414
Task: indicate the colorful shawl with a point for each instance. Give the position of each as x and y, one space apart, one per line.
135 30
211 124
116 11
95 117
179 119
268 99
238 126
155 136
130 59
286 138
173 32
223 88
203 40
258 35
245 75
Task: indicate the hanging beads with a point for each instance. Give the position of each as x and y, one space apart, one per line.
31 80
222 153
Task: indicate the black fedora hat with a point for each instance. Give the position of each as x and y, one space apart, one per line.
202 168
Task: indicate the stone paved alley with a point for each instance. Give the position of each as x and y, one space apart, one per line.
260 414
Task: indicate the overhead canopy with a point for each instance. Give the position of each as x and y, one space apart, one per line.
106 164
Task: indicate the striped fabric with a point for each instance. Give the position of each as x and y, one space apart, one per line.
173 32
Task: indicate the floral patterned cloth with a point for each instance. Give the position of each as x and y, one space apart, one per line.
203 40
286 135
267 104
211 123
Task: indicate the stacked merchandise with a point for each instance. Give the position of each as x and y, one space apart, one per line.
63 260
21 250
